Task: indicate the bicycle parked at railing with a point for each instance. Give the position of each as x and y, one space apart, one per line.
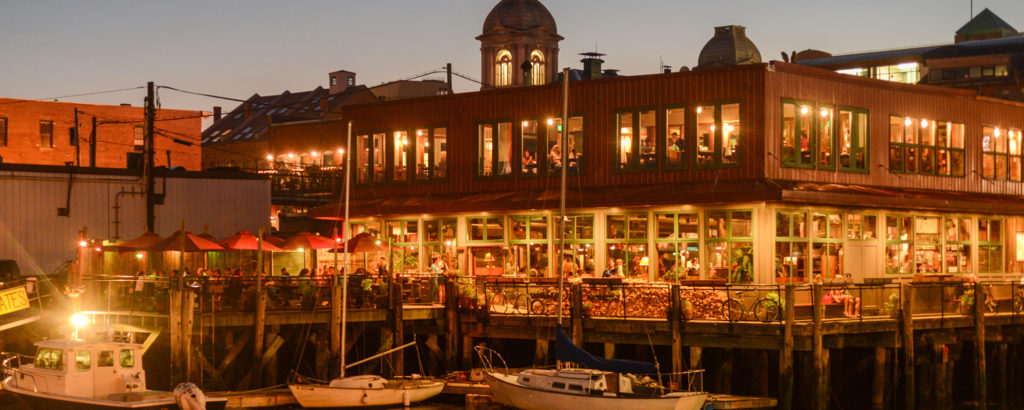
761 308
515 300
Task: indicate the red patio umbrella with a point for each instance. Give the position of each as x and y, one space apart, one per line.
143 242
365 242
306 240
193 243
244 240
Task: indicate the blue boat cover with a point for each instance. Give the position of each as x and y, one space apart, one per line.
567 351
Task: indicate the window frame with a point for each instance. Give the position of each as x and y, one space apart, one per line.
390 166
540 158
718 153
633 163
371 175
729 239
46 139
404 232
805 260
548 170
686 160
495 158
988 244
3 130
679 243
854 126
431 157
502 220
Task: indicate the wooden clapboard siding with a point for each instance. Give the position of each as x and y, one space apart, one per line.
759 88
883 99
596 100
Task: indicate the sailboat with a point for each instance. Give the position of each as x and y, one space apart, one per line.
362 390
603 384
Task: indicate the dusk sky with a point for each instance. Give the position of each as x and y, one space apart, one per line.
237 48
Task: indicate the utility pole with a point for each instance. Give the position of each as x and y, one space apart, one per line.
92 144
77 141
147 168
448 68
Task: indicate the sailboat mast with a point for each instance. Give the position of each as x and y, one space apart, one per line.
565 165
345 234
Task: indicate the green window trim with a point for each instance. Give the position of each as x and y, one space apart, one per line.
532 166
956 244
576 144
640 156
531 235
792 237
990 251
813 136
915 148
631 232
670 159
404 235
399 146
857 224
374 144
860 126
685 250
1001 160
899 234
496 169
575 224
718 159
434 172
485 223
737 246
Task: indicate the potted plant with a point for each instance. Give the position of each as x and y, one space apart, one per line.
893 305
587 308
687 309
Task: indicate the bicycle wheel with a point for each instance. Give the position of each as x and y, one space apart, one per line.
498 304
537 307
732 309
766 310
522 305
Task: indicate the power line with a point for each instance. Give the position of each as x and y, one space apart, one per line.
73 95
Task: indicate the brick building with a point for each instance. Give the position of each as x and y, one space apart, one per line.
39 133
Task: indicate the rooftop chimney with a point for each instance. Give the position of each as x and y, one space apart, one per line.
248 110
341 80
592 65
216 113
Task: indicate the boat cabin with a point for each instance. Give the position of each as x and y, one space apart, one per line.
576 381
84 369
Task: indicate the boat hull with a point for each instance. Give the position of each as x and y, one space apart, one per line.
322 396
506 391
45 401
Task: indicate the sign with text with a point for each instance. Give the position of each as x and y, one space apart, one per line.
13 300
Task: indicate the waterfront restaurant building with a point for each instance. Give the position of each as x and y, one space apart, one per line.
763 173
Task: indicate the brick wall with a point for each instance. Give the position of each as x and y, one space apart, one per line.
115 134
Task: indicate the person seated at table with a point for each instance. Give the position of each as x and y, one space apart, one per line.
555 157
529 163
612 271
837 295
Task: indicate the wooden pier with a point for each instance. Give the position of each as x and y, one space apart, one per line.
910 345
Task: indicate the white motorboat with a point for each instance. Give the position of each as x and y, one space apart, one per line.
79 374
539 389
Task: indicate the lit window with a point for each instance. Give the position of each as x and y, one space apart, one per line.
400 171
494 142
636 140
538 68
139 140
503 69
